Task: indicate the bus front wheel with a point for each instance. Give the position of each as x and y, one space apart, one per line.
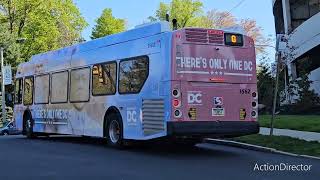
28 126
114 131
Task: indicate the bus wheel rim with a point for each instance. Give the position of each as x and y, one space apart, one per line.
28 126
114 131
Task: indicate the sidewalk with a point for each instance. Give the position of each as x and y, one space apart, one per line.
308 136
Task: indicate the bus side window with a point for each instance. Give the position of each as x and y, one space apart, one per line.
18 91
80 85
28 91
133 73
59 87
104 78
41 89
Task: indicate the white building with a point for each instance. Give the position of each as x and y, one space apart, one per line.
300 21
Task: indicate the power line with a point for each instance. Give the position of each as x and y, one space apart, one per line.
236 6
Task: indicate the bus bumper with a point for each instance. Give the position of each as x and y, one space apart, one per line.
212 128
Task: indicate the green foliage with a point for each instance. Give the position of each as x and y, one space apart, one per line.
307 96
185 11
189 13
301 87
46 24
107 24
11 49
295 122
265 85
283 143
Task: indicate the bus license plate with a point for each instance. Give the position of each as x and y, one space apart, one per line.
217 111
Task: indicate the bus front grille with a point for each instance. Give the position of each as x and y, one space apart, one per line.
152 116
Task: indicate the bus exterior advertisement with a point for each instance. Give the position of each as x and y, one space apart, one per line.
147 83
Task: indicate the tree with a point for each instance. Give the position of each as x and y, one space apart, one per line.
215 19
265 85
185 11
107 24
11 48
189 14
46 24
255 32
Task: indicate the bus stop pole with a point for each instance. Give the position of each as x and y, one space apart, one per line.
3 98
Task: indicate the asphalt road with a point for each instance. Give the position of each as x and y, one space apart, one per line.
89 158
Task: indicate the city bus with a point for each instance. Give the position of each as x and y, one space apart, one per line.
147 83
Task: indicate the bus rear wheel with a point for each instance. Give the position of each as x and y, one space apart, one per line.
114 131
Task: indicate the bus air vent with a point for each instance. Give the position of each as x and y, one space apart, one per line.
204 36
197 35
152 116
216 38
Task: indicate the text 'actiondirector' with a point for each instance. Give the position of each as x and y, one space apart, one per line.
281 167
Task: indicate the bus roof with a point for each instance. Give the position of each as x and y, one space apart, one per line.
65 53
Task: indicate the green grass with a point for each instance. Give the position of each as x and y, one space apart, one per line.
283 143
295 122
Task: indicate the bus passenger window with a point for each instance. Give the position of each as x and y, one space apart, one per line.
28 91
18 91
79 82
59 87
104 79
132 74
41 89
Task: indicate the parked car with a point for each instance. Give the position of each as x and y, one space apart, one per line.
9 129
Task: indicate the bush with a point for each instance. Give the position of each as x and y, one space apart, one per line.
298 109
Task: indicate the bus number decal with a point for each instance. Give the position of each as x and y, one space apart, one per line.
245 91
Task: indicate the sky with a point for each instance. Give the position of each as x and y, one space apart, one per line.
137 11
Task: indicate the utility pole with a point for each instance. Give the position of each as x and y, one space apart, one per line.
274 105
3 98
275 93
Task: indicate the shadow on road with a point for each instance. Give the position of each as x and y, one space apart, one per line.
154 148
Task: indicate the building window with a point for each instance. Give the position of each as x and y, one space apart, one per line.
18 91
308 62
41 89
28 91
314 6
302 10
278 17
80 85
133 73
59 87
104 78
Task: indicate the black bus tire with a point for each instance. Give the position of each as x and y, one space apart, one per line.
114 131
29 127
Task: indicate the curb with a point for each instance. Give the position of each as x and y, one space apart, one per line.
255 147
